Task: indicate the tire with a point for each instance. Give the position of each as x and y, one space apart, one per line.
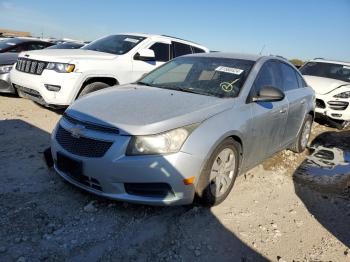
92 87
300 144
207 185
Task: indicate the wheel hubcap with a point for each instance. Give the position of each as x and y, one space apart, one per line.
306 134
222 172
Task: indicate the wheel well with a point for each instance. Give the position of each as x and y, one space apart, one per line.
239 140
312 114
107 80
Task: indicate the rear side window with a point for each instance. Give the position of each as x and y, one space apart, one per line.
197 50
181 49
301 81
269 75
290 81
161 51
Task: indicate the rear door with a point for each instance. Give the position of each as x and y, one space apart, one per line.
268 118
297 102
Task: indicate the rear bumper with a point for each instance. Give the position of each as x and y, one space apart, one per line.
5 84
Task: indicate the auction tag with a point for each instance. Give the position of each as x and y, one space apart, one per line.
230 70
132 40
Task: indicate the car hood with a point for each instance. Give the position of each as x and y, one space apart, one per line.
66 55
8 58
323 85
140 110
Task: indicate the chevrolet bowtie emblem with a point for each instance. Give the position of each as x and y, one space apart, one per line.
77 131
26 55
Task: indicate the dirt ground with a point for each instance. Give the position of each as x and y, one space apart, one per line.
267 217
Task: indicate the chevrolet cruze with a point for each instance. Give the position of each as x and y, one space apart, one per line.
185 130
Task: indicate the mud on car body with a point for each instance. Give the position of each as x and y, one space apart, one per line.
185 130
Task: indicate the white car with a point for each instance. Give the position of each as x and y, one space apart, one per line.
55 77
331 82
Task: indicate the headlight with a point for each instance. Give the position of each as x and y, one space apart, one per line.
343 95
164 143
60 67
5 69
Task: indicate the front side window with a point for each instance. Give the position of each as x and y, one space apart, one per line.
269 75
328 70
290 81
115 44
181 49
220 77
161 52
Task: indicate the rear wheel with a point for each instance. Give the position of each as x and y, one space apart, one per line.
219 174
303 137
92 87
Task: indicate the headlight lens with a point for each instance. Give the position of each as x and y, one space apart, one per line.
5 69
60 67
164 143
343 95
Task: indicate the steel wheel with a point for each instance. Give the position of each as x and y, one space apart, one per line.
305 134
222 172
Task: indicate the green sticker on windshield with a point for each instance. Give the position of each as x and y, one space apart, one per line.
228 86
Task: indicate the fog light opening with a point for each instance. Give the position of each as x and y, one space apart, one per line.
53 88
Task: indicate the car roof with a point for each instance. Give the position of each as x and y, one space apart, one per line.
229 55
18 40
321 60
167 37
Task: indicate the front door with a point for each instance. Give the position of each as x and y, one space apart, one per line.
162 55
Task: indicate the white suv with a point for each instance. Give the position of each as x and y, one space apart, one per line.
56 77
331 82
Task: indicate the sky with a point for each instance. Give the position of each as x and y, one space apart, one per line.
302 29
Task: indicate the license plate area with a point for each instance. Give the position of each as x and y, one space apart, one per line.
74 169
69 166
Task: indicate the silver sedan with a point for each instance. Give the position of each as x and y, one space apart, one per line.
185 130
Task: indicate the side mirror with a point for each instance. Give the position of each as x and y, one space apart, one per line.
269 94
145 55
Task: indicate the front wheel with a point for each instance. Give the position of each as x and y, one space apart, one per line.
219 174
303 138
92 87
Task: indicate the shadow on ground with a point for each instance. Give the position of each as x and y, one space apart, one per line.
322 182
43 217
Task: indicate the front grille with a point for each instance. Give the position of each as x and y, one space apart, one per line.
338 105
30 66
81 146
91 126
320 103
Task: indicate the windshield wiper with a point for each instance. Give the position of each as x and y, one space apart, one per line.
143 83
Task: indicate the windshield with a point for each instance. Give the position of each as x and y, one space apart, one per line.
115 44
220 77
328 70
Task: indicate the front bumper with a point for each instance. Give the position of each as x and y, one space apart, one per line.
69 83
334 108
114 170
5 84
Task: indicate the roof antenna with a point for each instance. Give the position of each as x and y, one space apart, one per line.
262 49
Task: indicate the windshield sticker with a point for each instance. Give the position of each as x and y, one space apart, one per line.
131 40
346 67
230 70
228 87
